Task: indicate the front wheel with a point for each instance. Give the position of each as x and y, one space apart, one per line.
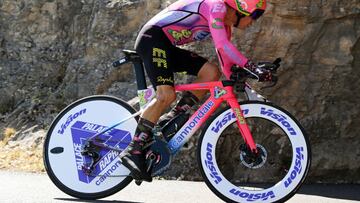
63 158
234 174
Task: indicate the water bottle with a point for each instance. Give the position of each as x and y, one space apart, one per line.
171 127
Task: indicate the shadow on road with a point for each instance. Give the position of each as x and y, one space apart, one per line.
97 201
339 191
336 191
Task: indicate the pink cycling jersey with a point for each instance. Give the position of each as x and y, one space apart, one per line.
191 20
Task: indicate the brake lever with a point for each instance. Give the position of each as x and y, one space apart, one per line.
277 63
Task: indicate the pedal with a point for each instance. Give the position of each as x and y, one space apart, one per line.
138 182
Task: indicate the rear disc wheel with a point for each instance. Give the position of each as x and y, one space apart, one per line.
64 162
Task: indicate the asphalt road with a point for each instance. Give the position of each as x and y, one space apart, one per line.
37 188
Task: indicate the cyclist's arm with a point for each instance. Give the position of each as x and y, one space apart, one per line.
227 52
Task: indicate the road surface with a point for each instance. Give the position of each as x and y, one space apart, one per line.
37 188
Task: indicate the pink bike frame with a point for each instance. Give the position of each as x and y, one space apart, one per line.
219 93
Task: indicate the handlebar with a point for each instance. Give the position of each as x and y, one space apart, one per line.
271 66
240 74
277 62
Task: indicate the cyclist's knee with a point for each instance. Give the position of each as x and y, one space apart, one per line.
165 95
209 72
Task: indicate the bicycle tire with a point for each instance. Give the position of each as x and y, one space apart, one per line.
213 172
74 113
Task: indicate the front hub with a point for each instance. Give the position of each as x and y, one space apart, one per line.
251 160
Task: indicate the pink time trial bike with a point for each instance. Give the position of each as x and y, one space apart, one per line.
250 150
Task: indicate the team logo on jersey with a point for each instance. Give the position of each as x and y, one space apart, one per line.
180 35
159 58
215 23
163 80
201 35
218 8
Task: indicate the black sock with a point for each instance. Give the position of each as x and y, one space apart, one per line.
145 126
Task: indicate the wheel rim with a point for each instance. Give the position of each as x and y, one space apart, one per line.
217 175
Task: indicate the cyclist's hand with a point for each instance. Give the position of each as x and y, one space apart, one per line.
261 72
268 66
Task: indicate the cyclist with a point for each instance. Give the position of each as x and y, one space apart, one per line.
183 22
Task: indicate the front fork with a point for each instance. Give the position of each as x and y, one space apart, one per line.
241 122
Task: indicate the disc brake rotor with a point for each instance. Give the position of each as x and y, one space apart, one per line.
250 160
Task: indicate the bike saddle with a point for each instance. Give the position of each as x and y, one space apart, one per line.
131 54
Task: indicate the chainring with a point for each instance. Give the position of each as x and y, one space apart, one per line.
158 157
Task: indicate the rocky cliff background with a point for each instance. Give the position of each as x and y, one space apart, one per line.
53 52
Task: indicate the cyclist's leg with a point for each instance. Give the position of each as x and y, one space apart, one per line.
156 54
193 64
208 72
152 47
134 156
165 95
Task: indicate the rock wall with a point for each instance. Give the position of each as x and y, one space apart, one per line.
53 52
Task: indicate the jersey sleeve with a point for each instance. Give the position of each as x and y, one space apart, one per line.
221 34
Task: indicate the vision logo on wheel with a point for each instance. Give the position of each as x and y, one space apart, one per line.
280 118
297 168
120 139
210 164
71 118
250 197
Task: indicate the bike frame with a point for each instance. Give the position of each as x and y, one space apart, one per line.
219 93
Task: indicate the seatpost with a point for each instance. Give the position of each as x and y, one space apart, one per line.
139 68
145 94
140 75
